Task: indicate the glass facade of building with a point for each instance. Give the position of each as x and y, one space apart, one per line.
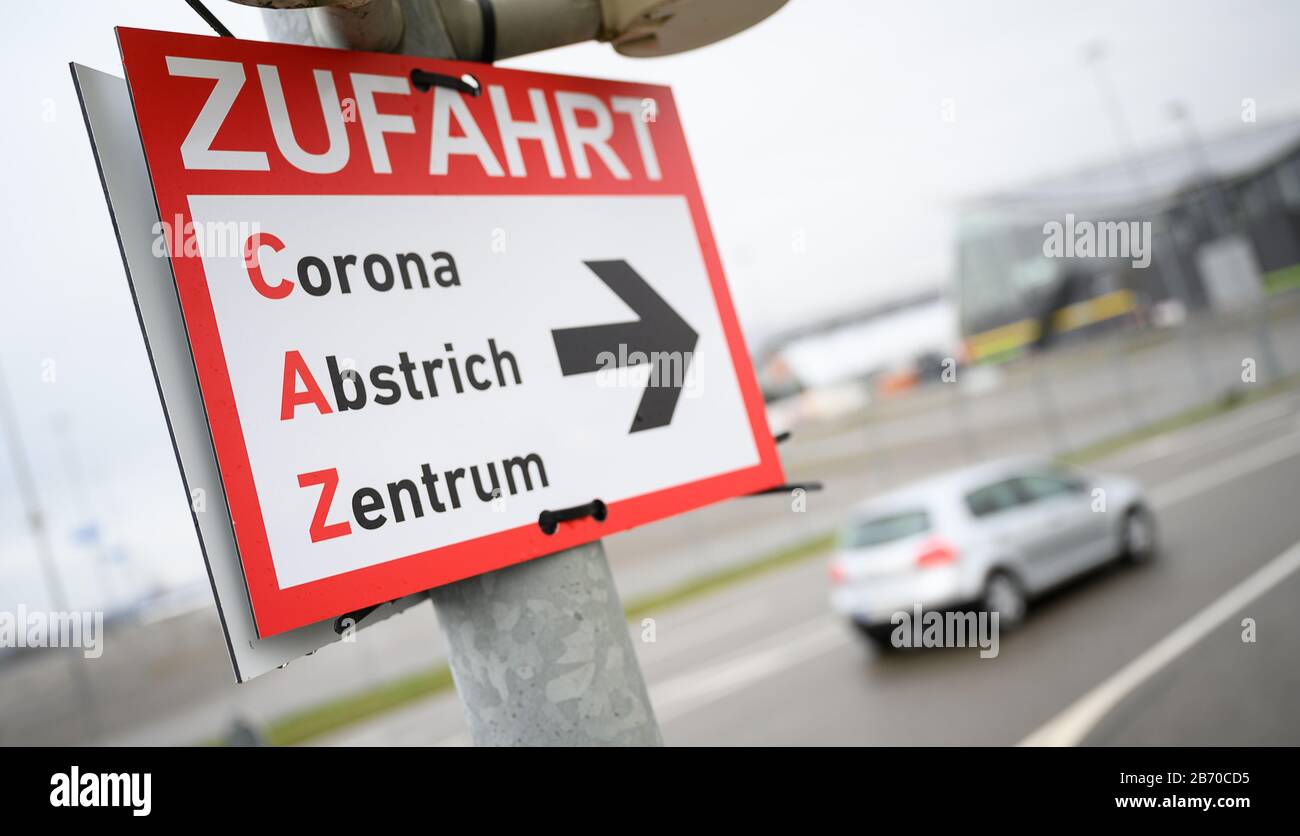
1011 289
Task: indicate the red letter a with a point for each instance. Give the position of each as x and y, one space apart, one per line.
295 368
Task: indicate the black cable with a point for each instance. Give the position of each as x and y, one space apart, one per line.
793 486
425 81
488 53
210 18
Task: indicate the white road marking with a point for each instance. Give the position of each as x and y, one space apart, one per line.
672 637
1201 439
695 689
732 612
692 690
1200 481
1071 726
1211 445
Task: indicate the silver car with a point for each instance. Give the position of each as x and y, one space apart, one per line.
991 536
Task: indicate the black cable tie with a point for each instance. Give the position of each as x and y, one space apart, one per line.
425 81
488 15
794 486
549 521
210 18
782 438
340 625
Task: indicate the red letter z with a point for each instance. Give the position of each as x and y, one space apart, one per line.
330 480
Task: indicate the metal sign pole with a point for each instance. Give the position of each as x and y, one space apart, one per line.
540 651
542 655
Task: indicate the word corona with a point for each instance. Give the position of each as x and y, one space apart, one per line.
319 277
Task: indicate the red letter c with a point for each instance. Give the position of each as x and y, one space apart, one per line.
254 244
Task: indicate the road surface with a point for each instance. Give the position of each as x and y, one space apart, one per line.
764 663
170 683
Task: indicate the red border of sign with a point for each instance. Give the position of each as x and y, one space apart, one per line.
165 107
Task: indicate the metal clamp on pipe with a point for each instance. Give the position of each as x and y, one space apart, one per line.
489 30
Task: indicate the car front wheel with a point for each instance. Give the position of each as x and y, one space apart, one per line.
1139 535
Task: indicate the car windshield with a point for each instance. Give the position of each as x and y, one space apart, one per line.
876 531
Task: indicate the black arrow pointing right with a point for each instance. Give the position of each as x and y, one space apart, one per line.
660 337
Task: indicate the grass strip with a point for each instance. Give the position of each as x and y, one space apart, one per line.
332 715
336 714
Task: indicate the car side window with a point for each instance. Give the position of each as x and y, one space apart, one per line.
994 498
1038 486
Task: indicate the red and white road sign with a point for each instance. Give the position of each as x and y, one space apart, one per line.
425 309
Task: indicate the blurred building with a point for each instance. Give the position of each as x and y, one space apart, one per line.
1224 213
838 362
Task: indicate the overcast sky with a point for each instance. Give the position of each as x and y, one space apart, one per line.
823 124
